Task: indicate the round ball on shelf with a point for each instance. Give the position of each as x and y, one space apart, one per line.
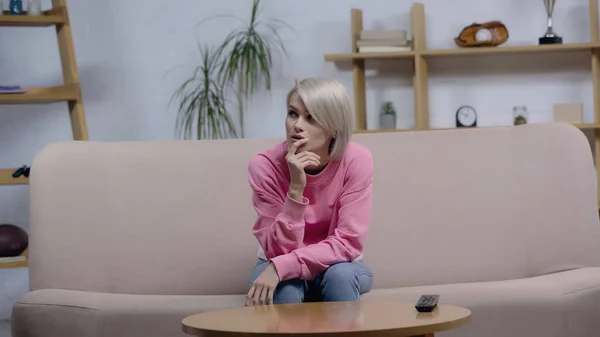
13 240
483 35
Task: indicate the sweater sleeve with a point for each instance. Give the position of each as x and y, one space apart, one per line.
346 242
279 227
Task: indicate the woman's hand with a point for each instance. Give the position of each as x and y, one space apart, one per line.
263 287
297 162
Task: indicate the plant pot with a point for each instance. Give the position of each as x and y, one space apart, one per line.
520 120
387 122
520 115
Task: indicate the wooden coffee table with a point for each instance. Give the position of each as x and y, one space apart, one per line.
334 319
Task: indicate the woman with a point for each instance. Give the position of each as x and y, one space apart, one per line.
312 194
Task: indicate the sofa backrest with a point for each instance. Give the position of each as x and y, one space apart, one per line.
175 217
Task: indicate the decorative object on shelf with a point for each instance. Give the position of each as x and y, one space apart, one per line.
22 171
550 37
387 119
16 7
13 240
466 117
520 115
568 113
383 41
11 89
34 7
239 63
489 34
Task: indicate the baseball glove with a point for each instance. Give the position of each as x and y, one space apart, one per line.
489 34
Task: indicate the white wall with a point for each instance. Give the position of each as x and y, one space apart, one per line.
132 55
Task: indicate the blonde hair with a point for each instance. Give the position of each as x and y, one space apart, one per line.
329 104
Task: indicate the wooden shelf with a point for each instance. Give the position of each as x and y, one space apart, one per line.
587 126
584 126
533 49
15 264
48 18
370 56
6 178
63 93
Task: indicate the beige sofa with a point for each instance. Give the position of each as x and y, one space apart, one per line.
128 238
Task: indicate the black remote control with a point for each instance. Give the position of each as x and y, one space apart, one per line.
427 303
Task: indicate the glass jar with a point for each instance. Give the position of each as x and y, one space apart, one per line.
520 115
34 7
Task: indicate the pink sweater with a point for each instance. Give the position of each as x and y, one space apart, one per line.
302 239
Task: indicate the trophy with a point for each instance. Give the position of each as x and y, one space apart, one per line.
550 37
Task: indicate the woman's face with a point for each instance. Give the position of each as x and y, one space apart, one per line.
300 124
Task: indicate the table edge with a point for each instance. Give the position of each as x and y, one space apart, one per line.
395 332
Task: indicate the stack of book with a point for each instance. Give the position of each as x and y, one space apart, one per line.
383 41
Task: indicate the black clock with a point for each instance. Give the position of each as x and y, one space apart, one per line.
466 117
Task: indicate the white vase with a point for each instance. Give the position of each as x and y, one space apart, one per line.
387 121
34 7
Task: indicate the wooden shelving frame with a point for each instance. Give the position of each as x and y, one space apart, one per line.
48 18
17 264
69 91
420 56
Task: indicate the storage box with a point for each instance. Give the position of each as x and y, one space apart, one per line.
568 112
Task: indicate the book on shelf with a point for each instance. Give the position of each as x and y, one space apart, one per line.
382 34
11 89
20 258
383 41
383 49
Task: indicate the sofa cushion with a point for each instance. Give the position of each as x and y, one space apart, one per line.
559 304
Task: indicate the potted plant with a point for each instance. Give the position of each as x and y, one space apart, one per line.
520 115
237 66
202 113
388 116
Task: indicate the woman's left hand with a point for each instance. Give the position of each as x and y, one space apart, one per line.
263 287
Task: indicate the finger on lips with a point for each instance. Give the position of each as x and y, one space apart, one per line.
297 144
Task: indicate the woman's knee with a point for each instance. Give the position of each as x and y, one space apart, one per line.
290 291
347 276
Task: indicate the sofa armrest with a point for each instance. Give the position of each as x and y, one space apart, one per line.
50 313
69 313
581 293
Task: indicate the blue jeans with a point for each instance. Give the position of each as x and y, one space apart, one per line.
344 281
